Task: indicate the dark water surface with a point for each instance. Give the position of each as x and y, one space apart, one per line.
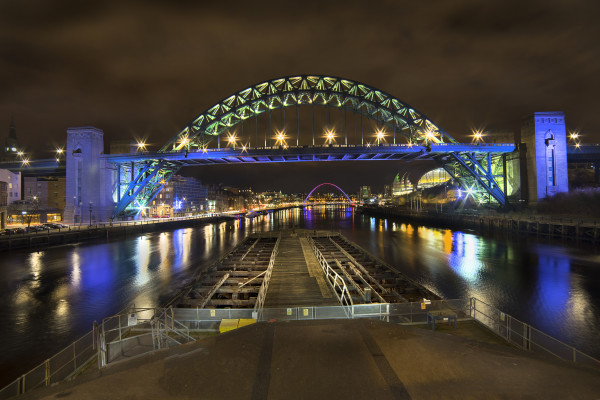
51 297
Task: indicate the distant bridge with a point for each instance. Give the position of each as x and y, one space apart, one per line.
329 184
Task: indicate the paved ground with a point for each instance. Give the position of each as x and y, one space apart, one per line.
343 359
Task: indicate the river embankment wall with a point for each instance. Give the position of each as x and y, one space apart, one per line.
561 227
80 233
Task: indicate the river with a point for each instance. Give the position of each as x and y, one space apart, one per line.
51 297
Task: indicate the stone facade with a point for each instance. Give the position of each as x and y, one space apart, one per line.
10 191
545 137
89 178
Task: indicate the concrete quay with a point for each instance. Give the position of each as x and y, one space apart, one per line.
335 359
566 228
79 233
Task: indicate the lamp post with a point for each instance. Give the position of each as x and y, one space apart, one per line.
91 213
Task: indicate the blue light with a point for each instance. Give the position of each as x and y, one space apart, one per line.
177 204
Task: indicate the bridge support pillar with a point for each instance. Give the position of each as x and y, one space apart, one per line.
545 137
89 178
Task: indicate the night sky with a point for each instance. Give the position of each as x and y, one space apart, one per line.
148 68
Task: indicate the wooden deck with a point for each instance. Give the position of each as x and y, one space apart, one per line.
297 279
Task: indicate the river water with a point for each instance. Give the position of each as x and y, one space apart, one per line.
51 297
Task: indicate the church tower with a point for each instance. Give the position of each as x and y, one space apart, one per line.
11 144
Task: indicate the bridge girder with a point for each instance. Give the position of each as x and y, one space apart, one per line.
478 167
483 175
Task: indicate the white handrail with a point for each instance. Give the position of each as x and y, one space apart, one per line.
260 300
337 282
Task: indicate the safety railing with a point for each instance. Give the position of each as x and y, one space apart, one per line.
115 332
335 280
62 365
262 293
416 313
525 336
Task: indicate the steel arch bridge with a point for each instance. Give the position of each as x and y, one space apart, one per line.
140 177
330 184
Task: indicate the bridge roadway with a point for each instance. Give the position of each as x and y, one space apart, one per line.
49 167
332 152
297 279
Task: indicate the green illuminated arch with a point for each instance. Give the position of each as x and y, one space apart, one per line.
302 90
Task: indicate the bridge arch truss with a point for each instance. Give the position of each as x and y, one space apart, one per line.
306 90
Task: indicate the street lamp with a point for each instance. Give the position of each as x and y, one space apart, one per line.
379 136
477 136
329 136
280 138
91 213
141 145
232 139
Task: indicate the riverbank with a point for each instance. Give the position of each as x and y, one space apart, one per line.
567 228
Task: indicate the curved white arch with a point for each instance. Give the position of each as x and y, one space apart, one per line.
330 184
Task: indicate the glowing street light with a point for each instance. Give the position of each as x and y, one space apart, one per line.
573 136
184 142
429 136
329 136
232 139
20 153
141 145
477 136
25 161
380 136
280 138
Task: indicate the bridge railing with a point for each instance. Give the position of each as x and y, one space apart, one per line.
264 287
335 280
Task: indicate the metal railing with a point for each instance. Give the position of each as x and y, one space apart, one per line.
260 300
335 280
61 366
523 335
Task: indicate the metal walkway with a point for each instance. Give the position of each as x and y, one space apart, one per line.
297 278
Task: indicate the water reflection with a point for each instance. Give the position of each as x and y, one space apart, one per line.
463 256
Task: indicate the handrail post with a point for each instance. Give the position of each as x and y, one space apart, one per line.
47 372
74 357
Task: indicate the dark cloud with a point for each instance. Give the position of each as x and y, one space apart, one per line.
147 68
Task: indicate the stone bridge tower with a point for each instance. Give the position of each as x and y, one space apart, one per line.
545 137
88 191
